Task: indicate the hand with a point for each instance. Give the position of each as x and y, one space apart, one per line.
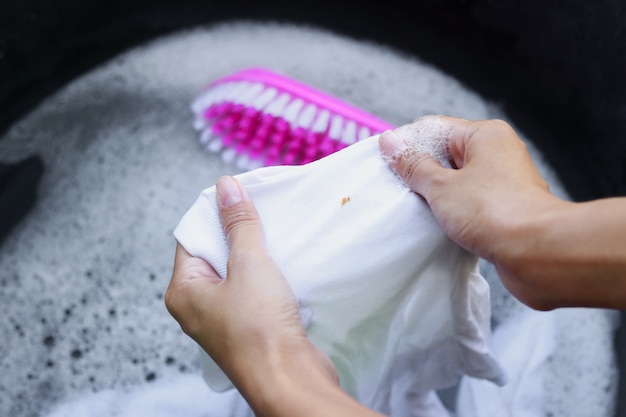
487 203
548 252
249 323
254 308
495 187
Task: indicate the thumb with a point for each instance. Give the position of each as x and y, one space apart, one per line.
417 169
240 220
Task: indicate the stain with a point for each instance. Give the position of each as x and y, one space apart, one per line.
345 201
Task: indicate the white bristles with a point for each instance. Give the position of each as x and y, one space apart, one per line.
215 146
247 97
206 136
214 95
321 122
364 133
349 133
292 111
265 98
229 155
212 142
222 121
199 122
335 127
277 106
227 91
239 89
306 116
206 99
243 162
200 103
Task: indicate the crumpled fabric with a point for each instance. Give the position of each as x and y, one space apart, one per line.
399 308
524 344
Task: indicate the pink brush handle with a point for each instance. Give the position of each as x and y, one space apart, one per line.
309 95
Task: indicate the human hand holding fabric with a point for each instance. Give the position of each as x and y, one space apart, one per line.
549 252
249 323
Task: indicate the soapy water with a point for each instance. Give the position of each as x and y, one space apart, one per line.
179 396
426 135
115 201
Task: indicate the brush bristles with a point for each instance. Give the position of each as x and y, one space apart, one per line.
254 125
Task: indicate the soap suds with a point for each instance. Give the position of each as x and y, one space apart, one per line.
427 135
114 201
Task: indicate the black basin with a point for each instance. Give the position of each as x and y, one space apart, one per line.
571 74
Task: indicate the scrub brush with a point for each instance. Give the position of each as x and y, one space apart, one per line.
257 117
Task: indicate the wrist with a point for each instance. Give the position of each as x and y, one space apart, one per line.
569 254
530 256
286 379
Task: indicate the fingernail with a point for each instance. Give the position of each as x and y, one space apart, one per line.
228 191
391 143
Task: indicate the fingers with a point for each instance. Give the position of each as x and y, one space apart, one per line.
191 285
417 169
414 151
194 281
187 267
241 222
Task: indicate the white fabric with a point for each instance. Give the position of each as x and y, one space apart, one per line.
524 359
398 307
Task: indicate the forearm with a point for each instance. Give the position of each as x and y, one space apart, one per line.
291 382
549 253
572 255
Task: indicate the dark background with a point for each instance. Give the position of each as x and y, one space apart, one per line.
557 67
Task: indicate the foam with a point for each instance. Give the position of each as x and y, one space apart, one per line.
83 276
184 395
428 135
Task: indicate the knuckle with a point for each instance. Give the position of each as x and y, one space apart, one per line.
237 218
245 257
172 301
501 129
177 304
493 131
176 297
410 167
500 124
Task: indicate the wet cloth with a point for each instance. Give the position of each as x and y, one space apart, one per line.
399 308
